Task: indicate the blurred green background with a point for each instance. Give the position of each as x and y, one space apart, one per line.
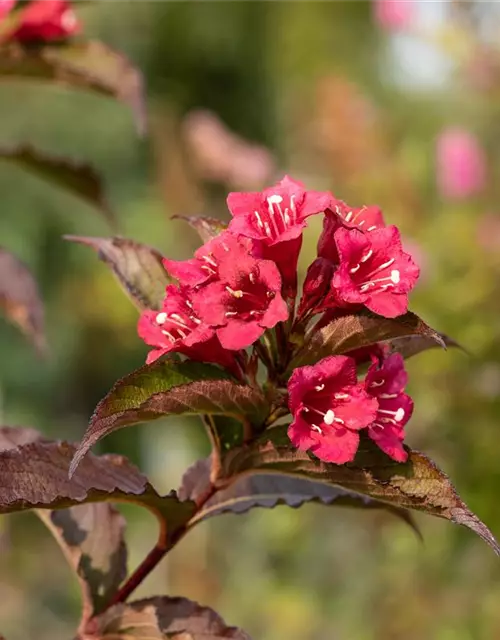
238 94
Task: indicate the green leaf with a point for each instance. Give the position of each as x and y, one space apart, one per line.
170 388
20 299
207 228
76 178
417 484
91 537
138 268
91 66
252 489
354 331
163 617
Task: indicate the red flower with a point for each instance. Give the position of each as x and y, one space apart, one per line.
329 407
244 301
204 267
46 20
276 217
177 328
366 218
374 271
386 382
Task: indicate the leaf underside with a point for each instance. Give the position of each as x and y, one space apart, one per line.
417 484
206 227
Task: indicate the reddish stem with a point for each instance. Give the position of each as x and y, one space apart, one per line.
147 565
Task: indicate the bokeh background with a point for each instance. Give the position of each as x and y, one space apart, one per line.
393 103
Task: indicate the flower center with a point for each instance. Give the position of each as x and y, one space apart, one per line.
250 301
176 326
276 220
369 282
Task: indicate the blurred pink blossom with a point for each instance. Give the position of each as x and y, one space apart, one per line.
393 14
222 156
5 7
461 164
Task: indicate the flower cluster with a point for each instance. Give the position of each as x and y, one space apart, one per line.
240 290
41 21
330 407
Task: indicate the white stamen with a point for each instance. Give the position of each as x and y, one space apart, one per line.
208 269
398 415
230 314
372 228
341 396
395 276
189 304
315 427
275 199
169 335
195 319
377 384
177 320
210 260
251 277
161 317
329 417
320 387
368 255
388 396
354 269
287 217
361 223
181 333
292 208
268 230
348 216
259 219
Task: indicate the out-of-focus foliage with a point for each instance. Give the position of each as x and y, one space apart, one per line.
321 92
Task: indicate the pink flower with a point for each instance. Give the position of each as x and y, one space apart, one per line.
46 20
386 381
244 301
394 14
329 407
374 271
276 217
176 328
5 7
461 164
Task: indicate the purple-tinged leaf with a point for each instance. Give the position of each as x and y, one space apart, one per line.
163 617
417 484
20 299
207 228
91 537
138 268
34 475
78 179
171 388
355 331
243 492
91 66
